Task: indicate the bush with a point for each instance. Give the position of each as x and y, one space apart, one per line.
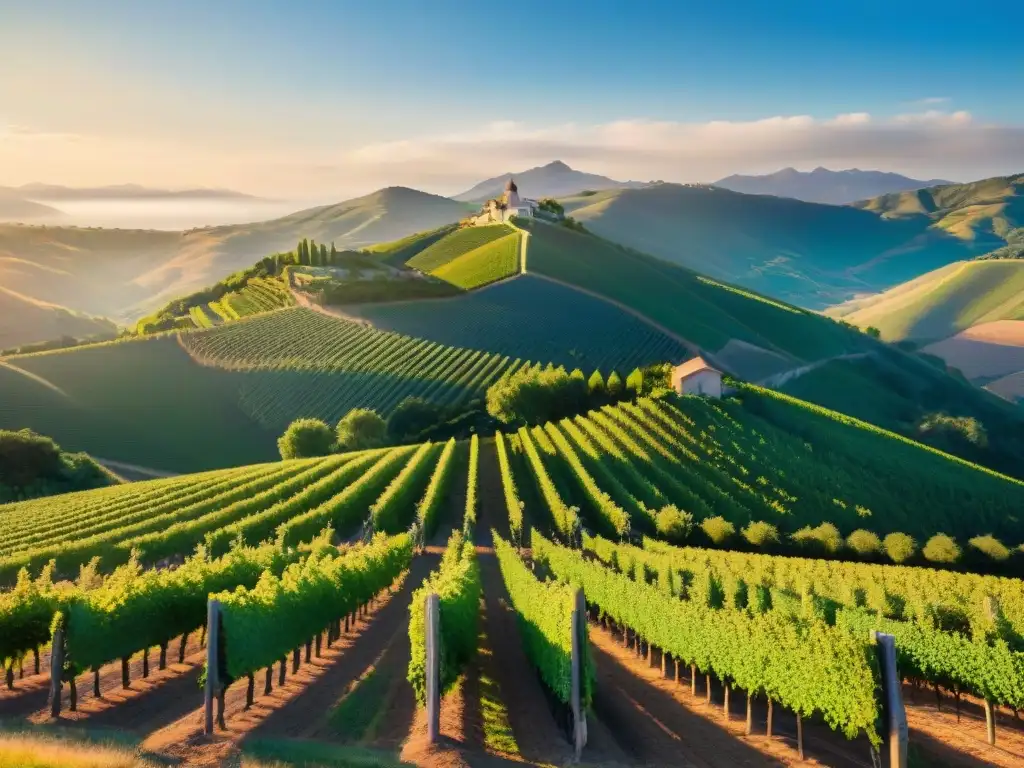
26 457
941 549
360 429
635 383
533 397
899 547
595 385
306 438
864 543
953 432
411 418
991 546
673 524
718 529
761 534
825 537
614 385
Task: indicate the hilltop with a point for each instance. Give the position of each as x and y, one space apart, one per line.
28 321
14 207
809 254
825 186
125 273
556 179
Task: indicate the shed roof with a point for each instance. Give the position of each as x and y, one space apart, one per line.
690 367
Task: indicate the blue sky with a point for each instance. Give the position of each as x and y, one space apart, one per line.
336 97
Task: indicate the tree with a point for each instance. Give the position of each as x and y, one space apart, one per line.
864 543
673 524
334 253
314 253
412 417
899 547
529 396
991 546
323 253
614 386
941 548
873 332
825 537
360 429
306 438
595 385
717 529
761 534
26 457
635 383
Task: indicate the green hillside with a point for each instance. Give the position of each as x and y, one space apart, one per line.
398 252
809 254
944 302
125 274
28 321
983 213
482 266
534 319
702 311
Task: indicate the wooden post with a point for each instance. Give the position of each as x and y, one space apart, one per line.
663 663
693 679
56 671
707 679
319 641
35 654
433 616
768 729
800 735
96 683
125 677
281 675
309 650
579 638
212 633
73 694
725 702
145 662
250 691
163 655
750 713
296 659
990 722
895 715
677 670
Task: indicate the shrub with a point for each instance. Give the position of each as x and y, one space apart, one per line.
825 537
941 548
864 543
673 524
718 529
25 457
360 429
534 397
412 417
899 547
614 385
954 432
761 534
595 385
991 546
635 383
306 438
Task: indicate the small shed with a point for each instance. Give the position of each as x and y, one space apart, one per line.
697 377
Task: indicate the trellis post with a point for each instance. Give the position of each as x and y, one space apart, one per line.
897 734
212 662
56 671
579 638
433 616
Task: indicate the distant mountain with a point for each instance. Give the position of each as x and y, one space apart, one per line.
809 254
37 191
552 180
124 273
824 186
14 207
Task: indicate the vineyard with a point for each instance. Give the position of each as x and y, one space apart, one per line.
444 253
534 319
765 472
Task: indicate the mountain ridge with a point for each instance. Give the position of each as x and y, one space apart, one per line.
555 179
823 185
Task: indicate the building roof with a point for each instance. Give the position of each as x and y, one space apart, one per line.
511 186
693 366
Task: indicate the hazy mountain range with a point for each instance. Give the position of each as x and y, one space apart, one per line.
55 192
824 186
556 179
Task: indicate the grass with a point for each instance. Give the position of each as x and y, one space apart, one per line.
488 263
944 302
354 716
498 735
283 753
65 748
458 243
532 319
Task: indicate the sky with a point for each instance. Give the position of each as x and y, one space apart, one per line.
327 100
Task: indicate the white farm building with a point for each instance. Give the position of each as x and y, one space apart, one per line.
697 377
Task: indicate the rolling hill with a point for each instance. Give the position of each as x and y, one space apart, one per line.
824 186
125 273
809 254
14 207
26 321
556 179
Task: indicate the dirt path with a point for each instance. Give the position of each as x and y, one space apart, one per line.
133 471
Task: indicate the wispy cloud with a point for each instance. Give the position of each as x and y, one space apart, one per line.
930 101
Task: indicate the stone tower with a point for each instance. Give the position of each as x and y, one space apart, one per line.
512 194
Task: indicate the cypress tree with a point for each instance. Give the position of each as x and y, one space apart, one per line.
614 385
334 253
595 386
323 254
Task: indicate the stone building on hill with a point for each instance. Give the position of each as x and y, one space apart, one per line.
501 209
697 377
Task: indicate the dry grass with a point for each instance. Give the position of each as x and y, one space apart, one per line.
34 751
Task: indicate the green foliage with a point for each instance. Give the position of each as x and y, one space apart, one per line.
718 529
941 548
565 518
458 244
513 505
430 505
825 537
457 585
595 385
635 383
990 546
32 465
469 519
306 438
395 510
360 429
899 547
412 416
263 624
484 265
533 396
794 662
864 543
761 534
544 612
614 386
873 332
673 524
941 427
